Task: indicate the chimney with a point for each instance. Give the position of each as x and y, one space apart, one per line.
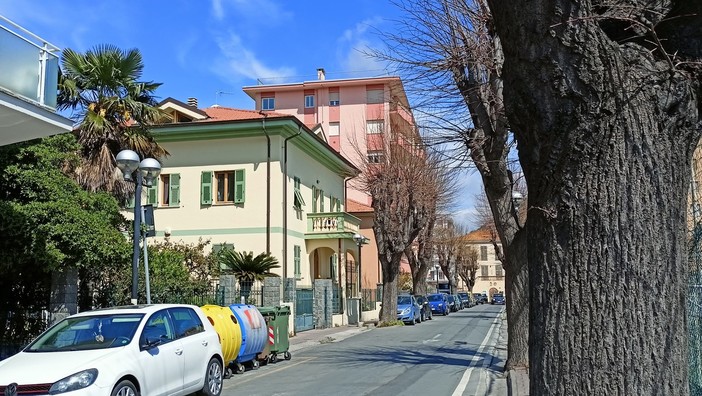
320 74
192 102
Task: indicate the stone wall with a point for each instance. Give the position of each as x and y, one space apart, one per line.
229 283
323 303
272 291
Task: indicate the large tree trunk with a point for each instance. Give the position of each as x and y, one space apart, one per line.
606 130
391 268
517 297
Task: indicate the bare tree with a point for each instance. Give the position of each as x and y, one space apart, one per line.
403 187
604 100
447 50
466 263
419 257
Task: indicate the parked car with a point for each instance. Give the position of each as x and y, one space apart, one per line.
425 308
144 349
498 299
408 310
458 302
452 303
467 299
480 298
439 303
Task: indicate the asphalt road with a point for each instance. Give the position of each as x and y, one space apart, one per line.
445 356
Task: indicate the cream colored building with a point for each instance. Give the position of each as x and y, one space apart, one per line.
256 182
490 276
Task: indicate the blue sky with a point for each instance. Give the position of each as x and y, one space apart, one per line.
209 49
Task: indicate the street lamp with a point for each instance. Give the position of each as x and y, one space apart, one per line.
517 198
148 170
360 240
436 273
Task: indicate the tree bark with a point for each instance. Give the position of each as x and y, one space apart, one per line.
605 132
517 299
391 268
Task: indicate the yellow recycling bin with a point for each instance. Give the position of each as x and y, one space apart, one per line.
228 329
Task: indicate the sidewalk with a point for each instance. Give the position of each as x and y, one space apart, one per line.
310 338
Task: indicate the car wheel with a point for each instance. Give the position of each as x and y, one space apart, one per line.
125 388
213 379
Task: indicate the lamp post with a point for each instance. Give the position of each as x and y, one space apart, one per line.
148 169
436 273
517 198
360 240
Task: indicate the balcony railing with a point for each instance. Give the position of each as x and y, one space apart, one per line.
332 222
491 278
29 65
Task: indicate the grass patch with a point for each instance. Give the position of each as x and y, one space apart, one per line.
391 323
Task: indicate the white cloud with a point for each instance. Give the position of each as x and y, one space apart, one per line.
354 42
261 11
238 61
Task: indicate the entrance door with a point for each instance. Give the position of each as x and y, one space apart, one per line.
304 305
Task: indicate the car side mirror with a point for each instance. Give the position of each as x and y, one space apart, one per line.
152 342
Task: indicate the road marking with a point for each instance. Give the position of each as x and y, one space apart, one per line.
476 357
264 373
434 339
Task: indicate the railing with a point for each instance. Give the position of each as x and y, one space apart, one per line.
332 222
491 278
336 299
369 298
29 64
213 295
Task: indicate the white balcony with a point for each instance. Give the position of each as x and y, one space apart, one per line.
29 69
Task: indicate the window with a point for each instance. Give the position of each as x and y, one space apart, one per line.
484 270
321 201
267 103
376 157
186 322
309 101
222 246
158 328
169 188
483 253
375 126
298 202
333 98
228 187
334 129
297 253
498 270
374 96
332 268
317 200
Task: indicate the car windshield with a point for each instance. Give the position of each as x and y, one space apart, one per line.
497 296
88 332
463 295
404 300
421 299
435 297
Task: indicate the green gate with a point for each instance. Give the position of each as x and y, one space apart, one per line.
304 310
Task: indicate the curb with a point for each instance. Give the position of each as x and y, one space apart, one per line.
327 339
518 382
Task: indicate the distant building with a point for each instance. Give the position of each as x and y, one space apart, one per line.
490 276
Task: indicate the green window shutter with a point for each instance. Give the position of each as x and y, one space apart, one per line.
174 192
239 182
321 201
314 199
297 261
206 188
152 194
298 201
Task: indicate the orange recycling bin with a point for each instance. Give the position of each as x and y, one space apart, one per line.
224 322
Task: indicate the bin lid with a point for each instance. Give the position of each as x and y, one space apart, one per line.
283 310
267 310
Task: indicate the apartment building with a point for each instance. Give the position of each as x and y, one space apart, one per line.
260 182
352 116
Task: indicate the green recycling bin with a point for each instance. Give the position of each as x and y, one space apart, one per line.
277 319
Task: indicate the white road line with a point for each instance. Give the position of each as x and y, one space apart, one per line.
434 339
476 357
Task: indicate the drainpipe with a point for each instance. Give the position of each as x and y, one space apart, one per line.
285 201
268 184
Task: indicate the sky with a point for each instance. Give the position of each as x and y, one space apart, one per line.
210 49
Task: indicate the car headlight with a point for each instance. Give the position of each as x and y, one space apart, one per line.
405 311
441 305
73 382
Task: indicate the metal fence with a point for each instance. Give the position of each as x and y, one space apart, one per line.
369 298
213 295
336 299
694 310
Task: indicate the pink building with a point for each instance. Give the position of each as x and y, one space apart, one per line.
351 115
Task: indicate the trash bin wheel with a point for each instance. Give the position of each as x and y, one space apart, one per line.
239 368
273 358
255 364
287 355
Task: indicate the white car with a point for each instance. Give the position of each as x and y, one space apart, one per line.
145 350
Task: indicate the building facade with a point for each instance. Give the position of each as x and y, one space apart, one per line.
256 182
28 86
490 275
352 116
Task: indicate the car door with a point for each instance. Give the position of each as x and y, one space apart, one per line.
160 356
191 333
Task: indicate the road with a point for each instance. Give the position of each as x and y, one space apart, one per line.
445 356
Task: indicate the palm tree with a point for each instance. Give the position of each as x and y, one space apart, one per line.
247 268
113 111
